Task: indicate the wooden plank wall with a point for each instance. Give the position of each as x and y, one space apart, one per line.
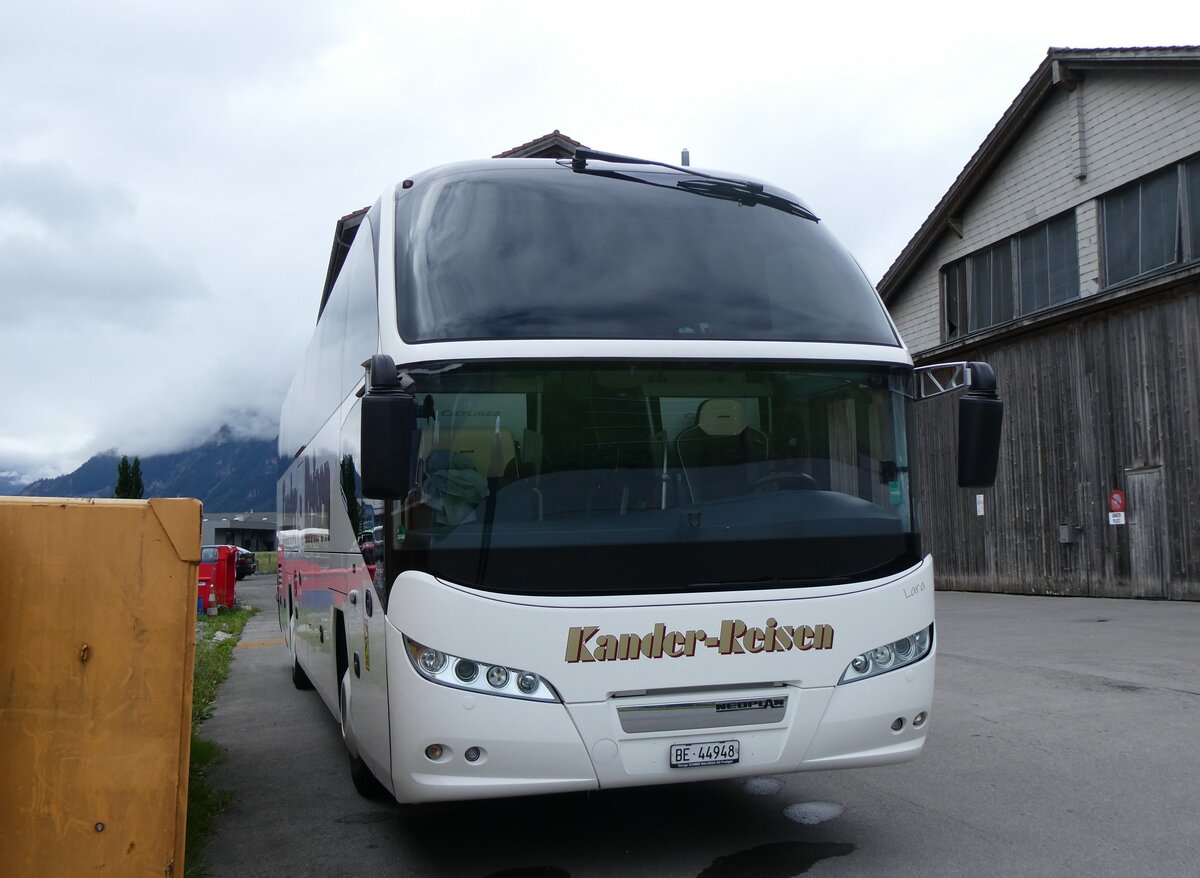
1085 402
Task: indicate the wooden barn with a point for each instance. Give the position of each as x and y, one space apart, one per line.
1067 255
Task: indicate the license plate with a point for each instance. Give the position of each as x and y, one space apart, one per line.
706 753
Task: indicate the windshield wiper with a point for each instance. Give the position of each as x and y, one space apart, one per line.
743 192
746 193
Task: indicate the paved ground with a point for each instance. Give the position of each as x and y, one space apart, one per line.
1064 742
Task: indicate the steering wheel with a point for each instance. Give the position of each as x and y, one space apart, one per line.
786 481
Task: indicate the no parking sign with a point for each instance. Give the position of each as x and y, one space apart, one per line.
1116 507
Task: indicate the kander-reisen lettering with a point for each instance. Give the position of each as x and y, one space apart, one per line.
586 644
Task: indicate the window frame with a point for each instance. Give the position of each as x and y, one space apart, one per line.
959 269
1189 211
1108 205
965 268
1186 235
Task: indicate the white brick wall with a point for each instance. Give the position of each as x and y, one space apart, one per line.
1087 227
1138 122
1032 183
1134 122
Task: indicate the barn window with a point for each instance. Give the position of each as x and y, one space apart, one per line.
1141 226
955 281
1036 269
1049 266
991 295
1191 188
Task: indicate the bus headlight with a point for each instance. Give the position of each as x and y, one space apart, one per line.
889 656
476 676
431 661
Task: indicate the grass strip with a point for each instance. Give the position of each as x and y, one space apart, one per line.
213 658
268 562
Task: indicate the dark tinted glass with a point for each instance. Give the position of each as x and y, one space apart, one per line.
642 477
956 299
991 282
1002 283
528 253
1192 178
1035 280
1141 226
981 290
1121 236
1160 219
1049 267
1063 259
365 515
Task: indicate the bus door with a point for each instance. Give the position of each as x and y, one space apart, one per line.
365 613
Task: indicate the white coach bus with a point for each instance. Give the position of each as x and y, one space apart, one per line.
623 495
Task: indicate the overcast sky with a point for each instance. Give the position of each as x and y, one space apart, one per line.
170 173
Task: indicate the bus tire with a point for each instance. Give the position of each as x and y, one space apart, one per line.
367 785
364 781
299 678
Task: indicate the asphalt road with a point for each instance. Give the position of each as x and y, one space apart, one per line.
1063 742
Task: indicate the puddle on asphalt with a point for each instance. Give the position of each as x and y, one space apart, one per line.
812 813
762 786
779 860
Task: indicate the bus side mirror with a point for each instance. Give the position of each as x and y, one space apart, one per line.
980 418
389 421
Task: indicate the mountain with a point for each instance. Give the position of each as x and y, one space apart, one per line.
225 473
10 484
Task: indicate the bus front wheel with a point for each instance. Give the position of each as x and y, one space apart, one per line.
365 782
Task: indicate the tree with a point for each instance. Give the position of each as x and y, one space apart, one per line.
129 479
123 486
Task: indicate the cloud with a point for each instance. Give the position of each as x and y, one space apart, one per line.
69 246
50 195
141 392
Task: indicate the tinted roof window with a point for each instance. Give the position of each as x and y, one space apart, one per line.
528 253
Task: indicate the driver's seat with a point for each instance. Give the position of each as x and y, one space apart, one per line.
720 454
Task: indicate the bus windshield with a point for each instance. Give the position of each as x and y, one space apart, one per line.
547 253
633 477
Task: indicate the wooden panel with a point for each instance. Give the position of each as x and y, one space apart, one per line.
1085 402
1146 521
96 684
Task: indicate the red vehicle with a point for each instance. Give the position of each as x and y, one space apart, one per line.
218 566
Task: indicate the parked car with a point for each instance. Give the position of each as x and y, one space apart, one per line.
247 564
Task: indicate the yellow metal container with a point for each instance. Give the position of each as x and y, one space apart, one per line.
96 659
